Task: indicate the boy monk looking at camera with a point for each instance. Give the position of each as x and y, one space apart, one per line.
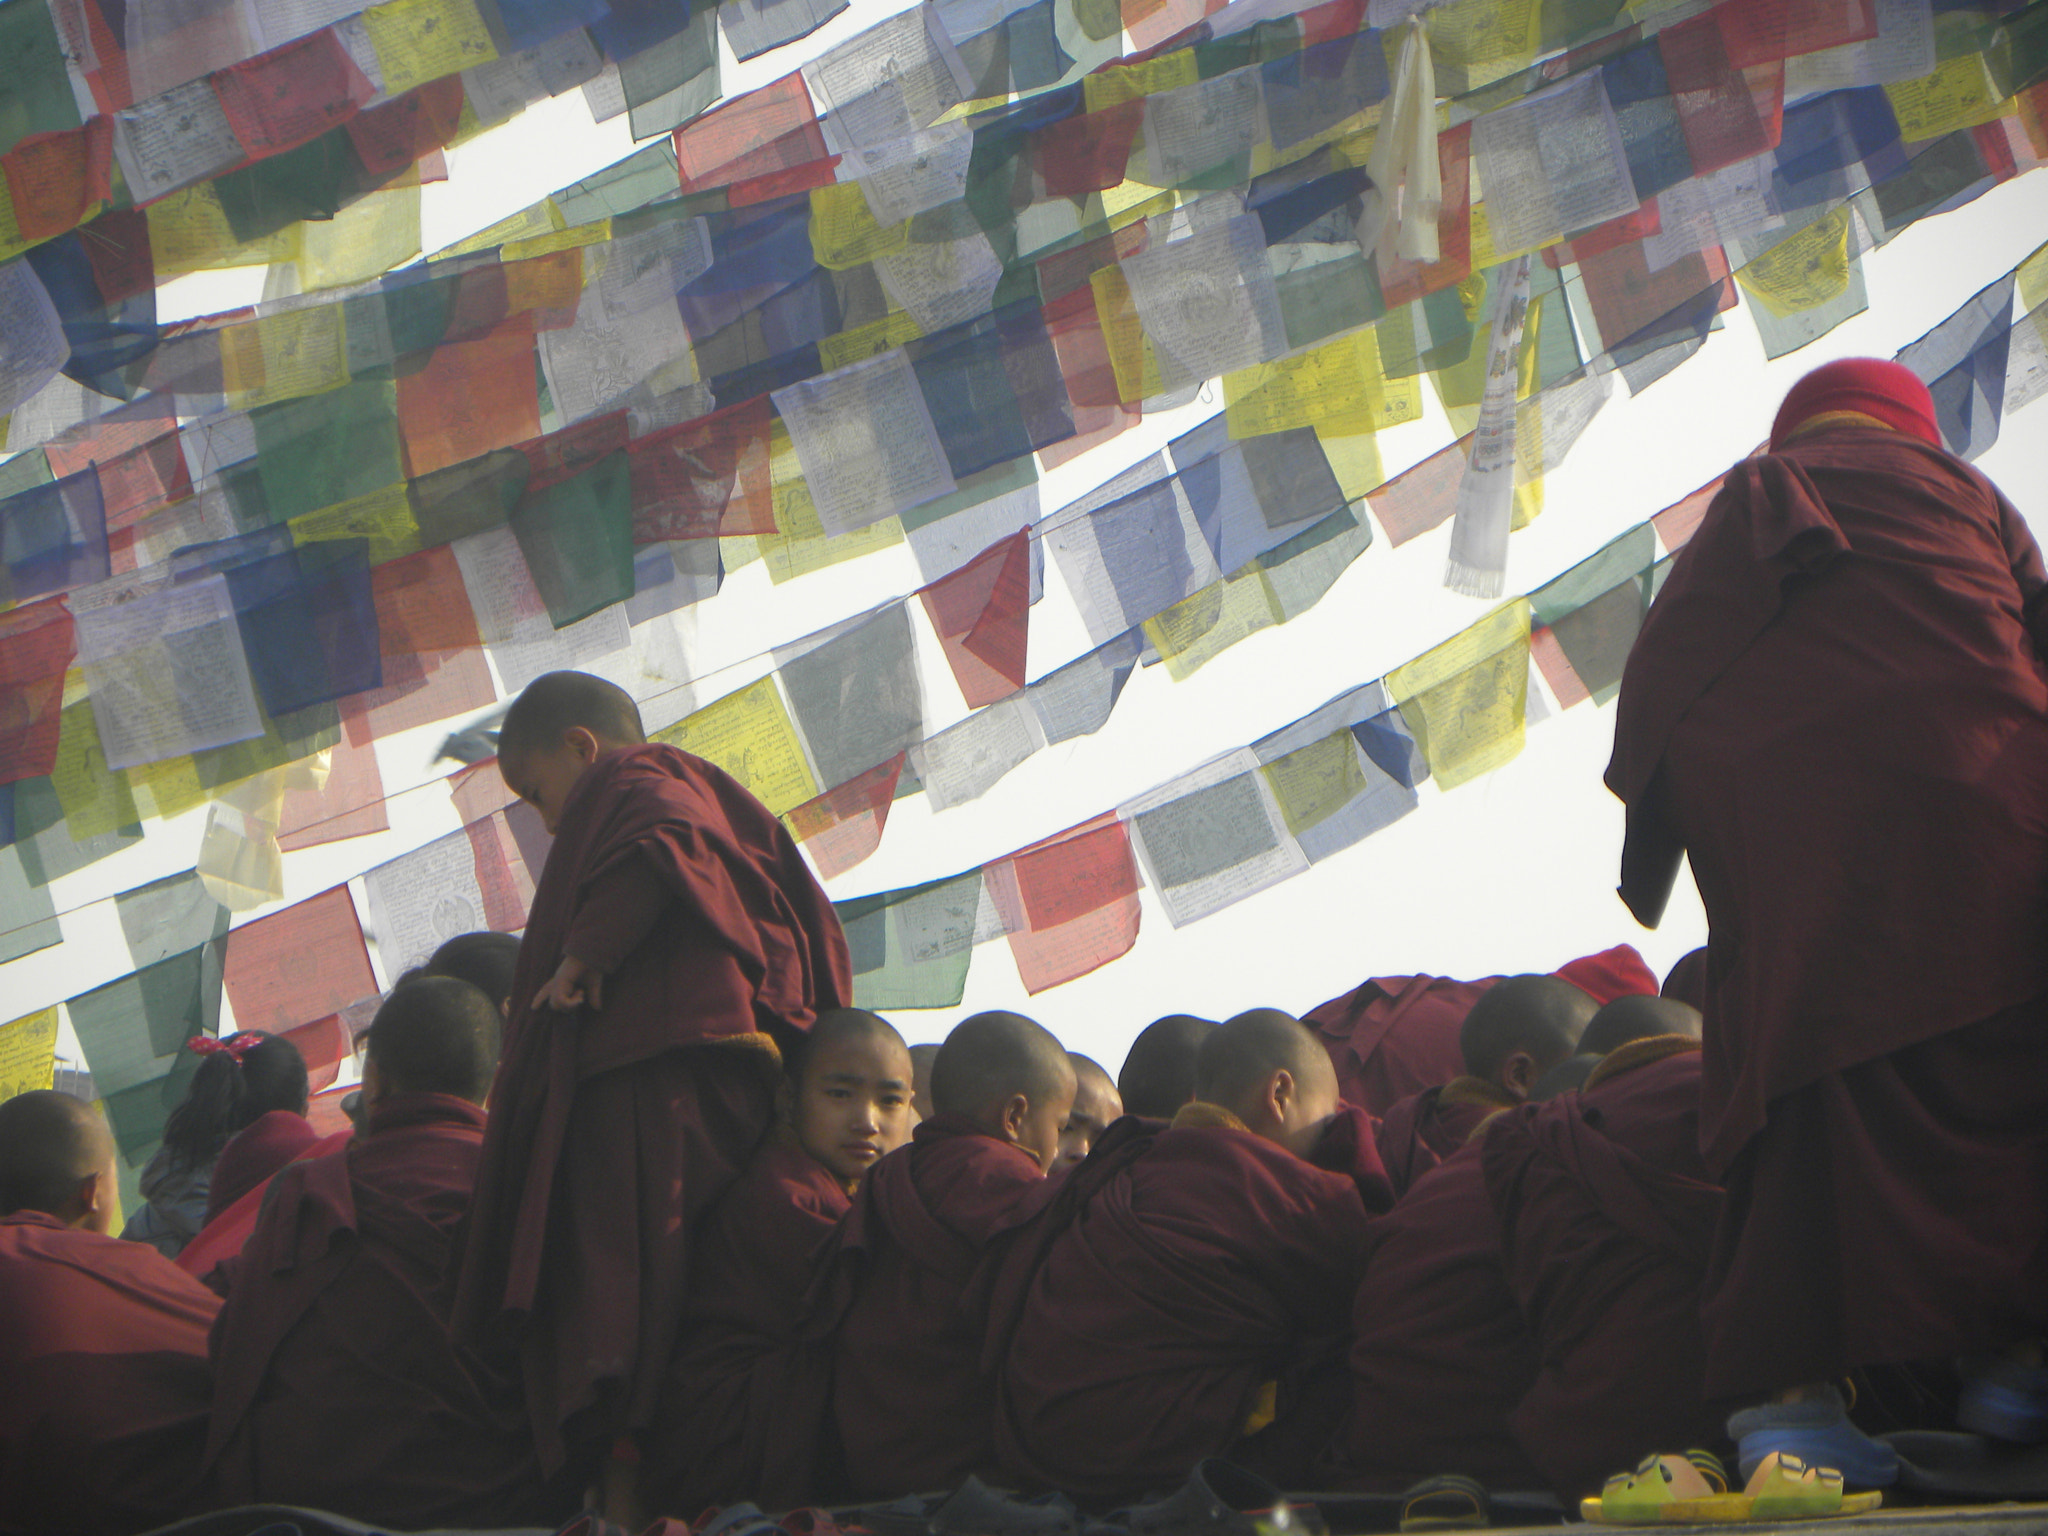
675 931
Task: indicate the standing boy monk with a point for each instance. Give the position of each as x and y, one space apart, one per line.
674 929
903 1296
744 1407
1196 1278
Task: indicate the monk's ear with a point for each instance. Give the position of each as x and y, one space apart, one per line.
92 1205
582 743
1015 1112
1281 1093
1518 1073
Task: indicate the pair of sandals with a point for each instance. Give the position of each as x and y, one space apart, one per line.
1693 1489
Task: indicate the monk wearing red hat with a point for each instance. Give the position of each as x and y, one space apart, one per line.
1838 710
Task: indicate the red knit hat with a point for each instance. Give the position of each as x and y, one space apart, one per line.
1889 391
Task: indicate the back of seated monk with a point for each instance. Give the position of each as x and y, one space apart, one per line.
102 1342
902 1294
745 1401
337 1385
1607 1212
1158 1074
1175 1300
1519 1030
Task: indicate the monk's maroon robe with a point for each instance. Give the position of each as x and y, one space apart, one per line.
1606 1216
337 1385
742 1412
613 1131
1838 709
224 1234
907 1305
1425 1128
253 1154
1208 1265
1440 1355
1395 1035
103 1361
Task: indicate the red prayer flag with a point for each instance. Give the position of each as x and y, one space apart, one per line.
37 644
292 94
1564 680
389 138
981 614
502 873
1676 523
764 133
299 964
705 478
1627 296
325 1043
1070 903
57 179
471 397
1423 496
844 825
1717 110
349 804
1088 151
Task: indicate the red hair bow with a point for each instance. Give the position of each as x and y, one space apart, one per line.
236 1045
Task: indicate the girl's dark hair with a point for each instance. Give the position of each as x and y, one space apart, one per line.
227 1094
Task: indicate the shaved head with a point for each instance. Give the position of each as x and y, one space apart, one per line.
436 1034
837 1026
993 1055
1238 1057
50 1144
1637 1018
1158 1076
1567 1075
1522 1027
921 1059
558 702
1097 1106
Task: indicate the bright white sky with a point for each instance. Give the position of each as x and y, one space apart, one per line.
1514 872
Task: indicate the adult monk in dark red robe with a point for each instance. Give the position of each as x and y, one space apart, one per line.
102 1343
1838 710
337 1385
905 1296
1194 1283
1397 1035
1516 1032
1606 1214
746 1404
675 929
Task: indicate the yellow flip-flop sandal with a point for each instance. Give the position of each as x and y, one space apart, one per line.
1675 1490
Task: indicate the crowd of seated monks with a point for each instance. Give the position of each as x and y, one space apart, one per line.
1439 1227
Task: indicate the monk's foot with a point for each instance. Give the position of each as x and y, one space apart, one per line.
2006 1398
1814 1426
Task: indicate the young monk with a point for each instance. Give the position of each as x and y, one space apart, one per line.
1158 1074
745 1406
1097 1106
1520 1029
1182 1290
1837 712
910 1399
344 1276
1397 1035
102 1342
675 928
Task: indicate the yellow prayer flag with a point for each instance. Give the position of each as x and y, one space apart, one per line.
374 234
384 517
189 232
1315 782
284 356
1463 701
1205 624
750 735
419 41
1806 268
866 341
1127 82
28 1053
1959 94
800 544
844 234
1339 386
96 798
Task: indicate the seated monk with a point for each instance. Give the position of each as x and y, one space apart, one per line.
1606 1215
1515 1033
921 1059
1158 1074
910 1400
1638 1018
1097 1106
336 1383
1178 1297
741 1414
1397 1035
102 1343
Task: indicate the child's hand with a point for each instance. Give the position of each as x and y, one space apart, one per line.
573 986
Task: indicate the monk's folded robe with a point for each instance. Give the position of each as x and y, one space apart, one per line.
1440 1355
1395 1035
103 1356
1423 1129
1197 1267
1606 1216
904 1297
612 1132
253 1154
337 1385
745 1404
207 1255
1838 710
